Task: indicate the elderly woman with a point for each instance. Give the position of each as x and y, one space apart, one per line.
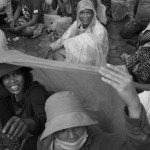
69 127
86 23
22 111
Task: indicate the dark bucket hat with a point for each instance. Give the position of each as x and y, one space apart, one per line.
7 68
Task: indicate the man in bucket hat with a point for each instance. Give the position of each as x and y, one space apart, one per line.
69 127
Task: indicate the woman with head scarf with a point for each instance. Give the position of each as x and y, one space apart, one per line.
70 127
22 111
86 22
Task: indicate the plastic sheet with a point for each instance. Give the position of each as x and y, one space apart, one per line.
99 98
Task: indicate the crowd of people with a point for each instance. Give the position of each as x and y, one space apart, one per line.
33 118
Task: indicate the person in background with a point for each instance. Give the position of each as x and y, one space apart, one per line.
64 7
6 11
31 23
86 22
74 4
139 17
22 107
69 127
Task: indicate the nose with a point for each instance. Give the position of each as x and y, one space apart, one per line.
71 134
12 79
85 15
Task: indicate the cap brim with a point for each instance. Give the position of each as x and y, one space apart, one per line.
67 120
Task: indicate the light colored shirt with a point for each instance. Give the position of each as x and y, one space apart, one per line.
8 10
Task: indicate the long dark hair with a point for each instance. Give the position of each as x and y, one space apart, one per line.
28 77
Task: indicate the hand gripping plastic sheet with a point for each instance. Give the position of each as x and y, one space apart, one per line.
99 98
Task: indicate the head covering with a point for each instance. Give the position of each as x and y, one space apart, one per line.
63 110
7 68
86 4
84 49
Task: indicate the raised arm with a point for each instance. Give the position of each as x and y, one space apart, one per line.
138 128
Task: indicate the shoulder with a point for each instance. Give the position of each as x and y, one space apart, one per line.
35 88
99 29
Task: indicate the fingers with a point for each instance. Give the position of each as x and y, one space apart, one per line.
8 124
113 73
115 77
113 84
15 127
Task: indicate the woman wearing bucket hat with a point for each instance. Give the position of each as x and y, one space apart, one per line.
69 127
22 111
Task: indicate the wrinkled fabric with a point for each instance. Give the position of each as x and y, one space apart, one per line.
84 49
3 41
8 10
95 27
145 100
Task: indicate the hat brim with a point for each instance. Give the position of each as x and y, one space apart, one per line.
67 120
7 68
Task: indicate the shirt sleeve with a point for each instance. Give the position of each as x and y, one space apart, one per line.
137 135
68 34
38 96
37 5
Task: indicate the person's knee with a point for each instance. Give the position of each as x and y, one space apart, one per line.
27 32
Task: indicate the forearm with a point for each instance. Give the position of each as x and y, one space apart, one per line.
138 131
30 23
17 14
141 86
135 110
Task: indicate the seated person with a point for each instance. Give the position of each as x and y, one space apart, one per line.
63 7
69 127
138 65
31 23
6 11
60 22
84 49
139 17
86 23
22 110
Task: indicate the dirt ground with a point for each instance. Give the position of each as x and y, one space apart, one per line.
38 46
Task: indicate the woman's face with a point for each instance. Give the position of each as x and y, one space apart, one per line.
86 17
14 82
71 134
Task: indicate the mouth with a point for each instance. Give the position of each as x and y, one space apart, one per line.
14 87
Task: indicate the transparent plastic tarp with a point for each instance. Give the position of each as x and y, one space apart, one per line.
99 98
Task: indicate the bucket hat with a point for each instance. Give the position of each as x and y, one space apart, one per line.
63 110
7 68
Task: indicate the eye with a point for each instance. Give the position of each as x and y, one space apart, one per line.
5 77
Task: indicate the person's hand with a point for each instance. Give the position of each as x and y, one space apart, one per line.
12 24
120 80
18 28
16 128
131 20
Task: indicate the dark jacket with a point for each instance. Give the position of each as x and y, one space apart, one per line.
31 106
138 137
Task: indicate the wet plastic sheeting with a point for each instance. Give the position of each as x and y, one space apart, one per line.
99 98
